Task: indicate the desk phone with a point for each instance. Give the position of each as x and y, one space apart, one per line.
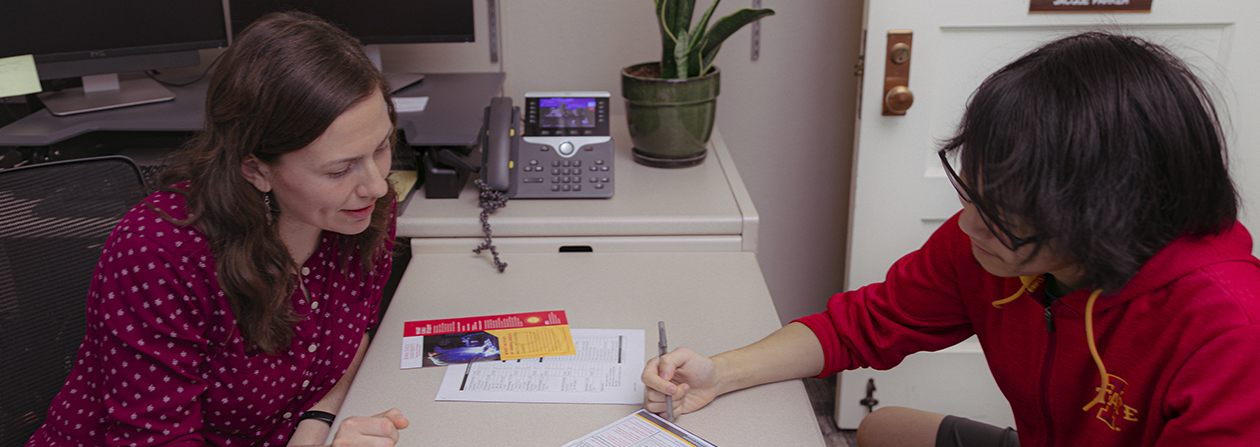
565 150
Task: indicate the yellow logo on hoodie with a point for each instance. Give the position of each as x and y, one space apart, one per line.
1114 409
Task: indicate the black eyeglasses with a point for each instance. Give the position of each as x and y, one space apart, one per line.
1008 239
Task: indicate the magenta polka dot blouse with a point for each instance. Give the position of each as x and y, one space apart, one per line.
162 362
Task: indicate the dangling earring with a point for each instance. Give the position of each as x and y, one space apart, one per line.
266 196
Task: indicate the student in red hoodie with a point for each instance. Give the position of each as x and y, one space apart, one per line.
1097 259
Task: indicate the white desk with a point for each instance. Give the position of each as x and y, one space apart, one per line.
672 244
711 302
701 208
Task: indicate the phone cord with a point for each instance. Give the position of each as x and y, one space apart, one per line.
490 200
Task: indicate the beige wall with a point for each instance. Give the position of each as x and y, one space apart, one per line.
788 118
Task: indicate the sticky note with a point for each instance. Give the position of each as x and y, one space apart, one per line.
410 104
404 181
18 76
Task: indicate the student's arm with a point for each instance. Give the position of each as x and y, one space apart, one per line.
792 352
917 307
1211 400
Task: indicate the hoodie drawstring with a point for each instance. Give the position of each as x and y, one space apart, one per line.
1030 284
1093 350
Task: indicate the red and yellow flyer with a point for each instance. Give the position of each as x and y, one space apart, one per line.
494 337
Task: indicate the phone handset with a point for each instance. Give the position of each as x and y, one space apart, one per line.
499 142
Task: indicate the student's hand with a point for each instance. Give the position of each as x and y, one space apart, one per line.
691 378
380 430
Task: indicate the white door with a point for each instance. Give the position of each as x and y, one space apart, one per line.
900 194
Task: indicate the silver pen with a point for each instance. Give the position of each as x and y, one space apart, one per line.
669 399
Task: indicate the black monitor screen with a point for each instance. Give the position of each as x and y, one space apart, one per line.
61 30
374 21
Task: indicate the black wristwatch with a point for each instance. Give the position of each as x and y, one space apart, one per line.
317 415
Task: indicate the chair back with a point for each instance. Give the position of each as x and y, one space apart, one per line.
54 220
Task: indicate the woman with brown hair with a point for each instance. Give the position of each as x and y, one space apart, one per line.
232 305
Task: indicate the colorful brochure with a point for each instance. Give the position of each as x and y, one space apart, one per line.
495 337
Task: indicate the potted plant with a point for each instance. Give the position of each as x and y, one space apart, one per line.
670 105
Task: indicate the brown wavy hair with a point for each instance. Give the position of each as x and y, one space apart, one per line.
276 89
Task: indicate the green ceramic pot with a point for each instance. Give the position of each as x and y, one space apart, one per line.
670 119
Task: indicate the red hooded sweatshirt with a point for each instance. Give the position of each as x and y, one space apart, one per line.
1180 343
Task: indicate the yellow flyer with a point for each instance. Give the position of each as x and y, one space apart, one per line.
495 337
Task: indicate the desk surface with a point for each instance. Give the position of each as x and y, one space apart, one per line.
452 117
704 200
455 111
182 114
711 302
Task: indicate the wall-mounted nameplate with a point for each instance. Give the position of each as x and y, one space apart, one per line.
1089 5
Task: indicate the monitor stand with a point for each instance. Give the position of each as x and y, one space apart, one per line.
397 81
103 92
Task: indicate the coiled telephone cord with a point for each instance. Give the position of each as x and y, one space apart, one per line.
490 200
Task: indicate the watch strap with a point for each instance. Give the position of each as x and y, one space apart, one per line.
319 416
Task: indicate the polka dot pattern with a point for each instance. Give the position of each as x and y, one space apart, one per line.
163 363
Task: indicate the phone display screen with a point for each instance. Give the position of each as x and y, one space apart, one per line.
566 113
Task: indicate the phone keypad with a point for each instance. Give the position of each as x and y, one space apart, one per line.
546 174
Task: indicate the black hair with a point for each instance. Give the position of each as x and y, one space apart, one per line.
1106 147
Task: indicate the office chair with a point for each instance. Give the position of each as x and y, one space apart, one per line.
54 219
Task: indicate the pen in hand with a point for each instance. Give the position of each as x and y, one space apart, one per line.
669 399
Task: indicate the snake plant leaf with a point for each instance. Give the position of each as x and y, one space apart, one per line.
725 27
681 52
699 32
701 29
675 18
707 63
664 9
689 53
680 18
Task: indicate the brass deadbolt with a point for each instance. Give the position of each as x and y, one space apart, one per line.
900 53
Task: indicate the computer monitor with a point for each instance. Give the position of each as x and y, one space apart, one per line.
375 22
99 39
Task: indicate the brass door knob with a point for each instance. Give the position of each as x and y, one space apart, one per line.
899 99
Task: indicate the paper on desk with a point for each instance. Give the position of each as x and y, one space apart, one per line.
640 429
605 370
410 103
18 76
404 182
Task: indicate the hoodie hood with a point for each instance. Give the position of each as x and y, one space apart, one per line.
1184 255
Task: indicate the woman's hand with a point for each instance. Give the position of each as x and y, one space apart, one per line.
691 378
380 430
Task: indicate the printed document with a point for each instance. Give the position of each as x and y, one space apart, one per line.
640 429
605 370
